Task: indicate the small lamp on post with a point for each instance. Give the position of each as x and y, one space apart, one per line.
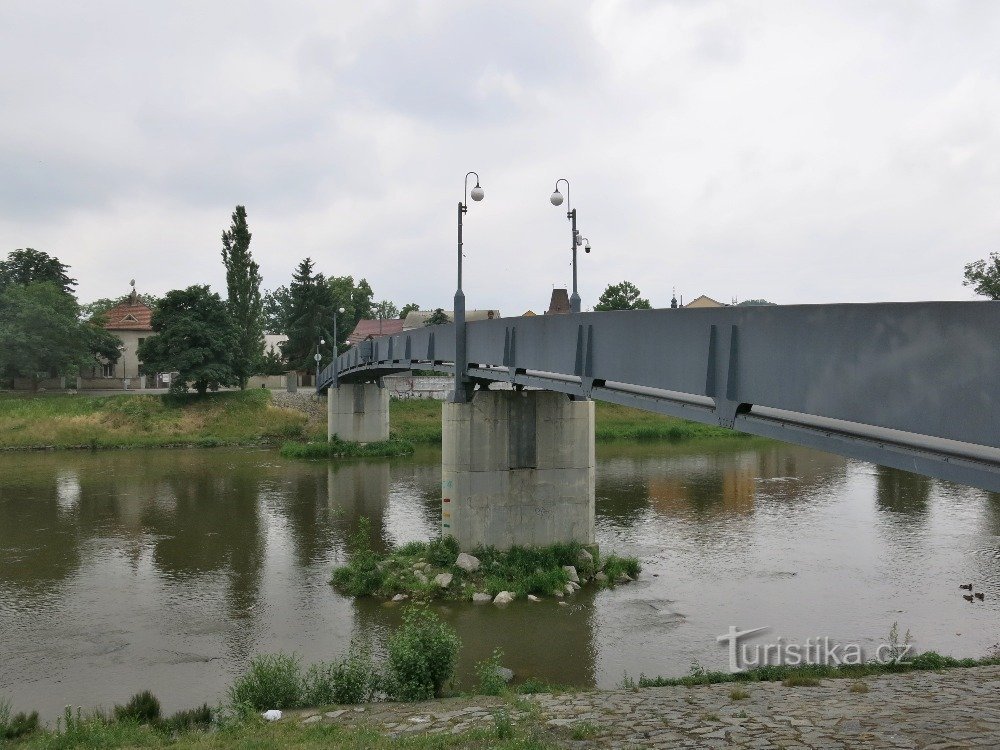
459 395
317 356
575 239
336 350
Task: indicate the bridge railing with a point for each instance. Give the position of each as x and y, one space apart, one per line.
908 373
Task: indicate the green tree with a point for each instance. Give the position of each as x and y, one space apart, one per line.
273 363
243 297
437 318
309 316
362 299
29 266
385 310
407 309
623 296
195 337
276 305
356 299
343 290
755 302
984 276
41 333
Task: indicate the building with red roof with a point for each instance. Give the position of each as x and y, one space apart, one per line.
366 329
131 321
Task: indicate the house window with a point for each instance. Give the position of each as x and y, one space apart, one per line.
108 370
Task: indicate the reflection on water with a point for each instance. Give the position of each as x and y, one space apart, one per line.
168 569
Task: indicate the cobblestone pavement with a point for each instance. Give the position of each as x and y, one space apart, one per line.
957 708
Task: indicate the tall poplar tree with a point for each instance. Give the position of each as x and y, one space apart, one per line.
244 301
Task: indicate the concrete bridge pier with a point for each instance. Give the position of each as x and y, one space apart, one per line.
358 412
517 469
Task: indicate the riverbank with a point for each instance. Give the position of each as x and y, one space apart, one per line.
243 418
419 421
951 708
145 421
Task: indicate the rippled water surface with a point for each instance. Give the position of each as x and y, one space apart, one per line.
121 571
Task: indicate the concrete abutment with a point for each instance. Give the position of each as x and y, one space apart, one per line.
517 468
358 412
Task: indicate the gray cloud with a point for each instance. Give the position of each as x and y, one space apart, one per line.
797 151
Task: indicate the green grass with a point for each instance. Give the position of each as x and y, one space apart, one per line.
337 448
30 421
811 674
412 568
416 419
253 733
145 421
613 422
419 421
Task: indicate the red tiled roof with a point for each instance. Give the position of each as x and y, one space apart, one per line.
129 316
366 328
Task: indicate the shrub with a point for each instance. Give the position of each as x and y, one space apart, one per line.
142 708
442 552
422 656
13 726
192 718
615 567
738 694
491 682
931 660
503 727
351 680
361 576
271 681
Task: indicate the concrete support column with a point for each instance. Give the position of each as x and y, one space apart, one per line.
517 468
358 412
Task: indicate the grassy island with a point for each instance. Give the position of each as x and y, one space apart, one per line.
337 448
436 570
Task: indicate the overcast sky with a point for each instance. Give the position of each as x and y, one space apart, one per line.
798 151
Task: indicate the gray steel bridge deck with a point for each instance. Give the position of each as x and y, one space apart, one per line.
914 385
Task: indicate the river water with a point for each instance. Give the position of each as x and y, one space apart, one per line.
167 570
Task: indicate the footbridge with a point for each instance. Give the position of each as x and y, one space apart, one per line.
915 386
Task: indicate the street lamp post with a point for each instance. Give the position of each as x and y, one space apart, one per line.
459 396
575 239
317 356
335 383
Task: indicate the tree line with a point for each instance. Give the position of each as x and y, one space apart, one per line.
213 342
208 341
42 329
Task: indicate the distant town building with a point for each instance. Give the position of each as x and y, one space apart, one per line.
367 328
528 314
273 342
704 301
130 321
559 304
418 318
